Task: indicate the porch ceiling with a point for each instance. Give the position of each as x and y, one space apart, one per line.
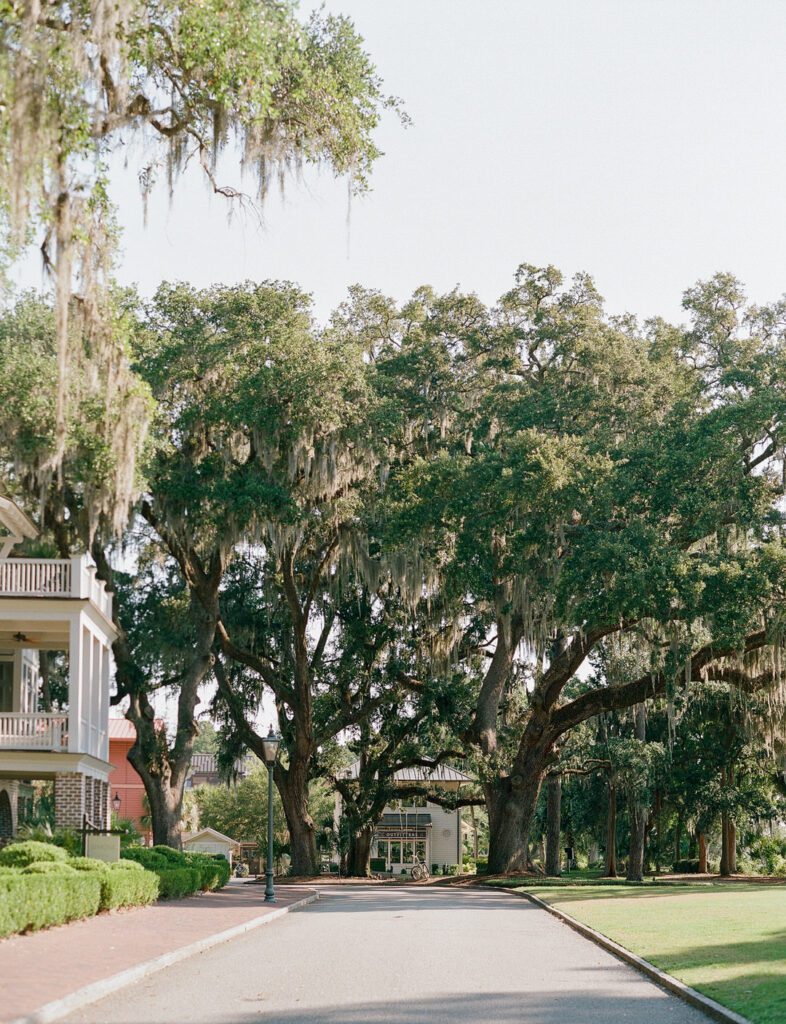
44 634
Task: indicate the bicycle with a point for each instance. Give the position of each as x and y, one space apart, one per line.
420 872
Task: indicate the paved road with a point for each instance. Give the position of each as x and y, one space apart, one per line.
400 956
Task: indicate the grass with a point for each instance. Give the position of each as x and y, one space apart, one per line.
726 940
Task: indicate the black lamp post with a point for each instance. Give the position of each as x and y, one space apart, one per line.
270 746
116 802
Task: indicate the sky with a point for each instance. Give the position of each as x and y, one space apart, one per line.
642 141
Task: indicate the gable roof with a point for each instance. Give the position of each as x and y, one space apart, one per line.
417 773
212 833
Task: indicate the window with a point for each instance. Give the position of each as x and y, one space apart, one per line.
6 685
395 853
383 848
420 850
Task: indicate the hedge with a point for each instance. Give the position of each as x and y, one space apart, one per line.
39 899
125 884
178 882
19 855
181 874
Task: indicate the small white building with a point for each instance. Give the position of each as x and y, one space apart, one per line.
209 840
412 826
53 604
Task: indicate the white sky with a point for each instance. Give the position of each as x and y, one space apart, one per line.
641 140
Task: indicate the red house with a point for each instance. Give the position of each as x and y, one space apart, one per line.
124 783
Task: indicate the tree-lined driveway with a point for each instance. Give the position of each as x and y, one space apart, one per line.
365 955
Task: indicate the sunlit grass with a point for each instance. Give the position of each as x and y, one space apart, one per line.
726 940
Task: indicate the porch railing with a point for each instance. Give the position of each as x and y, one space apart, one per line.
53 577
33 731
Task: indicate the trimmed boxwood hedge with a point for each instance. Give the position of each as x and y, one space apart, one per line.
181 874
125 884
32 899
19 855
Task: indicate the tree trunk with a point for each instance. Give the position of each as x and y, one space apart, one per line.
292 784
678 839
638 810
728 862
510 816
702 840
638 824
610 866
359 855
553 815
693 846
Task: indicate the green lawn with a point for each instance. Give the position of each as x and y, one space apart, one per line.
726 940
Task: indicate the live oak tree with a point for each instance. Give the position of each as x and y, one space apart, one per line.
596 479
173 81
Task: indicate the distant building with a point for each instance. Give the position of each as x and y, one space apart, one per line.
124 782
414 827
204 771
209 840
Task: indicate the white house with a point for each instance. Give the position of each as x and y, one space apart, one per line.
208 840
414 826
53 604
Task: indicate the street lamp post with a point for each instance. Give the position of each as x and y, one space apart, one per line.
116 802
270 746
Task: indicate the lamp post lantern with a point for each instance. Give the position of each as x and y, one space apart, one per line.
116 802
270 746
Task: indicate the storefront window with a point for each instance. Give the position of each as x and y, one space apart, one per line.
420 849
382 848
395 853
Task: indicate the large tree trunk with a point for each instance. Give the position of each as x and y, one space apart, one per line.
292 784
678 838
511 802
610 866
553 822
510 816
359 854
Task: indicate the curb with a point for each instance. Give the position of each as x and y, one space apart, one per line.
99 989
667 981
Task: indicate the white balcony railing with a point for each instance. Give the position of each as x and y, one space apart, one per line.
33 731
53 577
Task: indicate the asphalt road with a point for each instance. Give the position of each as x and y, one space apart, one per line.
400 956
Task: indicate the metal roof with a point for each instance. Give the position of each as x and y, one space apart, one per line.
417 773
405 819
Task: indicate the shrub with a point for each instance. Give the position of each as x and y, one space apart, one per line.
122 888
378 864
124 884
48 867
686 867
19 855
178 882
192 871
482 865
39 899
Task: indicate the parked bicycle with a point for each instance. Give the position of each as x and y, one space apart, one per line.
420 872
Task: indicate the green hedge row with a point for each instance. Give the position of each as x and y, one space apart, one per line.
181 874
125 884
31 899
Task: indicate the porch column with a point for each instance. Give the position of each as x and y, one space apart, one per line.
76 695
69 800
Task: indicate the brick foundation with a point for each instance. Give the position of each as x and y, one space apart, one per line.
70 799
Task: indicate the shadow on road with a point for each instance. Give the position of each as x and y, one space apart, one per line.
572 1007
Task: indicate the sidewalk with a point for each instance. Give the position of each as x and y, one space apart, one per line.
46 966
